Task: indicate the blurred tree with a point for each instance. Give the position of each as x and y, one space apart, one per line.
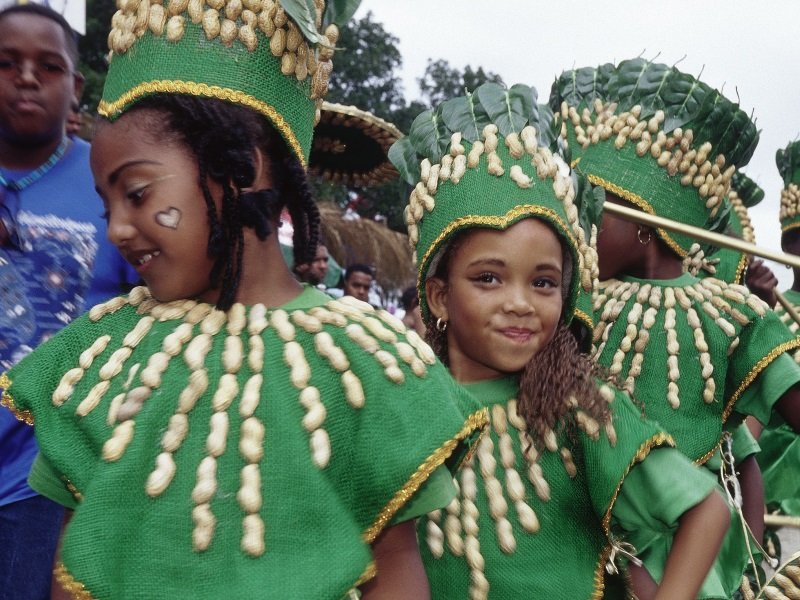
93 49
441 81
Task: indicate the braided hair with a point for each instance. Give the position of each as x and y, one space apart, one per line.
223 138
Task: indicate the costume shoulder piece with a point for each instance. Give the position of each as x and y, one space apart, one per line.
788 162
224 432
659 339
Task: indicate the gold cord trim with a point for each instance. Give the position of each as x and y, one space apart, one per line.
72 489
7 400
658 439
69 584
496 221
368 574
790 226
755 371
109 109
585 318
476 420
639 202
599 577
740 269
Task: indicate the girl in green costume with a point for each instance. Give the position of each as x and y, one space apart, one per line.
700 354
225 431
568 469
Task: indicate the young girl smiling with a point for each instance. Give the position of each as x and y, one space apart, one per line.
565 476
226 431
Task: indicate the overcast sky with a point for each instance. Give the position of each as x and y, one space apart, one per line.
752 48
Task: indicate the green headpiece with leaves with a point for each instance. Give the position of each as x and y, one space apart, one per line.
656 137
788 161
268 55
478 161
727 264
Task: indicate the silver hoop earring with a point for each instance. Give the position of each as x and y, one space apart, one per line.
639 236
441 326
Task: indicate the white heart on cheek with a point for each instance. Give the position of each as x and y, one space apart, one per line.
169 218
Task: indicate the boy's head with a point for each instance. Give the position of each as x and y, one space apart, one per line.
38 77
358 281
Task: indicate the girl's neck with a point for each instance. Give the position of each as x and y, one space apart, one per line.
266 278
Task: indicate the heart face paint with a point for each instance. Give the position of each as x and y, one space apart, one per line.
169 218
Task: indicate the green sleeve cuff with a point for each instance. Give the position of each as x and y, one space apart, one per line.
45 480
437 492
759 398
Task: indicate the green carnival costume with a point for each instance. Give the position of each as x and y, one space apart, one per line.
700 354
780 448
531 522
203 447
253 453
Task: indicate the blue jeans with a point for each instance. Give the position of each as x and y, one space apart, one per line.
29 532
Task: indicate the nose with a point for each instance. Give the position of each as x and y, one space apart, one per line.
519 300
119 230
26 74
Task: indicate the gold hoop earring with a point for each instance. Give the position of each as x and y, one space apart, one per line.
441 326
649 236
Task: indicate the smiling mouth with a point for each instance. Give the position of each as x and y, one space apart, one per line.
516 333
146 258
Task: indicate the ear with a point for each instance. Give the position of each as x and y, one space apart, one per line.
436 295
77 81
262 179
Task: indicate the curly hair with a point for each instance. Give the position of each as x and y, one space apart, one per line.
555 382
222 137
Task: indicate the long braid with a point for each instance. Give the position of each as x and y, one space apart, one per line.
304 212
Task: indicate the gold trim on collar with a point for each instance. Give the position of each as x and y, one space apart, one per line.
639 202
110 109
476 420
7 400
790 226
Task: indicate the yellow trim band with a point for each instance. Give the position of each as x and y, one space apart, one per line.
790 226
585 318
755 371
69 584
7 400
476 420
639 202
111 109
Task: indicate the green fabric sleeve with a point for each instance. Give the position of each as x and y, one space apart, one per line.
744 445
437 492
658 491
44 479
759 398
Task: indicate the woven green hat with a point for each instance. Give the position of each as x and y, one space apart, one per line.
267 55
477 161
728 264
788 161
656 137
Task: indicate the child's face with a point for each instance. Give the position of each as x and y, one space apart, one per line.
502 300
154 206
618 248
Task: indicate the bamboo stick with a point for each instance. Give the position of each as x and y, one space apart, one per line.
771 520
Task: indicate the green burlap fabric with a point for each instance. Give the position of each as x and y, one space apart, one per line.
788 162
124 542
624 159
566 557
480 198
737 355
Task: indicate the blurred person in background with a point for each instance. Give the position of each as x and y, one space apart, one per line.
55 261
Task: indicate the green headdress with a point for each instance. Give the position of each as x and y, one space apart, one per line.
727 264
655 137
788 161
477 161
268 55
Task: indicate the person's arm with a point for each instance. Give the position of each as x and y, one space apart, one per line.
753 507
694 548
56 591
788 407
400 573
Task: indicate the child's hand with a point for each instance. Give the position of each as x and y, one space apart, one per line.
761 281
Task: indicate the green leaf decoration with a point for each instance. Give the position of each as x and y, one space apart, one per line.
589 201
580 87
404 157
466 115
640 82
788 162
748 190
739 139
683 99
339 12
548 130
304 15
429 136
508 109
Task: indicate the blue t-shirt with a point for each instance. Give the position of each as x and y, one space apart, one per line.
57 265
